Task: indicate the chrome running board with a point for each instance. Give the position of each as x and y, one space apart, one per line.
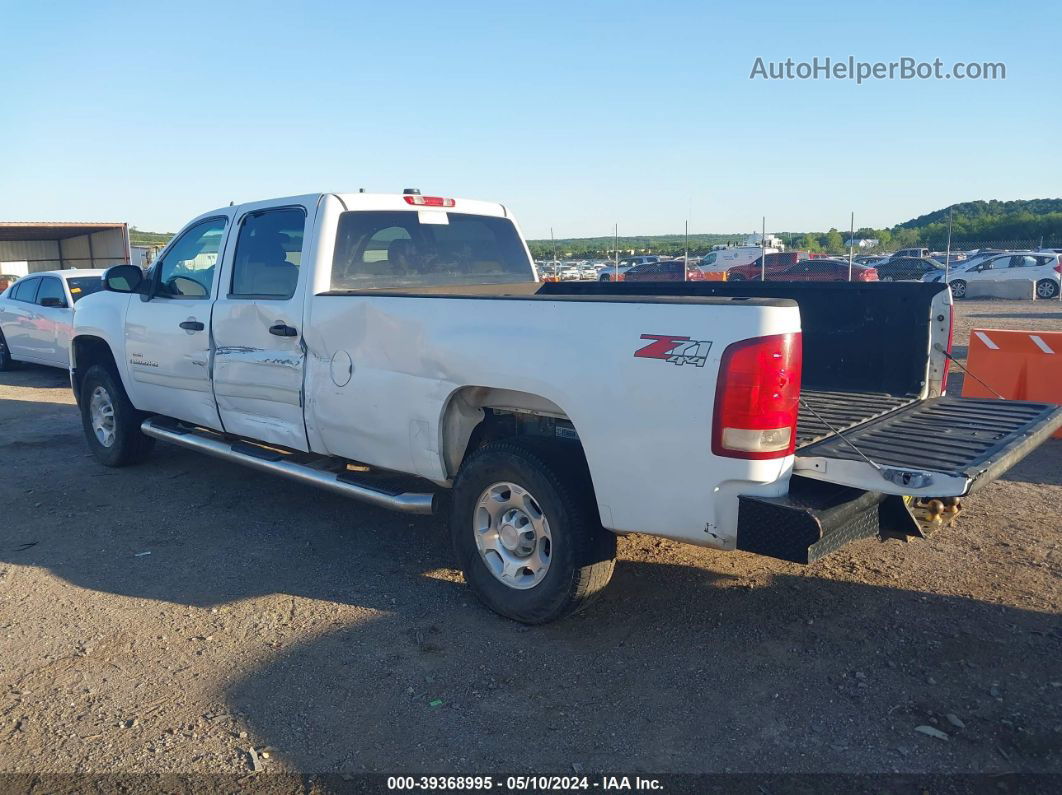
265 460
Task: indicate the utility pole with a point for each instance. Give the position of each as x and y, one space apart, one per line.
686 255
556 272
763 248
851 246
947 257
615 253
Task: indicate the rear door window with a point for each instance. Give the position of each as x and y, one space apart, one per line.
268 254
393 249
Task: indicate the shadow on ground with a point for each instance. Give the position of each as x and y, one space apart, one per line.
676 668
771 667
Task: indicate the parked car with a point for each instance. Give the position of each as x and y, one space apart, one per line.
904 269
671 270
615 272
777 261
427 352
37 316
807 270
569 270
907 253
1043 269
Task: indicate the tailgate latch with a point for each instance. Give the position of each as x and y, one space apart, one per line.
906 477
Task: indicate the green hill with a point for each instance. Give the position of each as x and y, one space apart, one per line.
138 237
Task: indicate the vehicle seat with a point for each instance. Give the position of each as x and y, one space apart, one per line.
400 255
265 270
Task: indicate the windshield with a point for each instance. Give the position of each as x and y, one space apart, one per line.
396 248
80 286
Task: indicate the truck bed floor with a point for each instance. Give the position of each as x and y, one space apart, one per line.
842 410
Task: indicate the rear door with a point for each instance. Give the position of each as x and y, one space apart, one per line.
257 326
20 318
940 447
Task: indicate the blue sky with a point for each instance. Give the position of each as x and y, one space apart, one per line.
577 115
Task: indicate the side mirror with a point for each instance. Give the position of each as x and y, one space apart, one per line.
123 279
53 301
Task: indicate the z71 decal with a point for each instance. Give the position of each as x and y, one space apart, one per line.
677 350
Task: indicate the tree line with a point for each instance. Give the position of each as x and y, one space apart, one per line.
1032 222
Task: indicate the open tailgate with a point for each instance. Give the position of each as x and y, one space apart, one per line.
939 447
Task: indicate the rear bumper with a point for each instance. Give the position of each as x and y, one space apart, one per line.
817 518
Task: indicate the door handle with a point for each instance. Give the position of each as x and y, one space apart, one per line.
192 325
283 330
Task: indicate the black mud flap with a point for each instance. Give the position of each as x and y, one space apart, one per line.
816 518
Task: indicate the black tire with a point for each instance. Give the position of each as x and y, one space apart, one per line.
958 288
128 445
735 277
582 554
605 277
1045 288
6 362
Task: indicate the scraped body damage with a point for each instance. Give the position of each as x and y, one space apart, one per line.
421 366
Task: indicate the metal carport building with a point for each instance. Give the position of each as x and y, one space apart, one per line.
33 246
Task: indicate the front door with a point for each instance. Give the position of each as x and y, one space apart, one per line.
259 353
53 321
167 330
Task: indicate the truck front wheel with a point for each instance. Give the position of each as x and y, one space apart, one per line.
525 529
6 362
112 425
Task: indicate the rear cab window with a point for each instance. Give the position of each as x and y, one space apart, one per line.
394 249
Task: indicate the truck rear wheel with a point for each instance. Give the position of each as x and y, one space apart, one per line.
525 528
112 425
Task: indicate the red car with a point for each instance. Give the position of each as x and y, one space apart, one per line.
807 270
664 271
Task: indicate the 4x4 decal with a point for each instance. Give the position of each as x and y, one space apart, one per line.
674 349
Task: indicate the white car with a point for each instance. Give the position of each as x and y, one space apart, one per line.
37 315
1043 269
722 260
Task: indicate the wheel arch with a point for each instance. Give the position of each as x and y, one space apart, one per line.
87 350
475 415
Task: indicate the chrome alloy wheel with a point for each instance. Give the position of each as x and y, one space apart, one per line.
512 535
101 411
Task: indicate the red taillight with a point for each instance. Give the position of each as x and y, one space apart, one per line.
1058 268
757 398
429 201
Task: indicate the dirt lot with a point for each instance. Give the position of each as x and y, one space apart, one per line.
172 616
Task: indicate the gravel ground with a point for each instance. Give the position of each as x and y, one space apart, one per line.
173 616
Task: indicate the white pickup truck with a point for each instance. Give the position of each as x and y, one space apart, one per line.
398 349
